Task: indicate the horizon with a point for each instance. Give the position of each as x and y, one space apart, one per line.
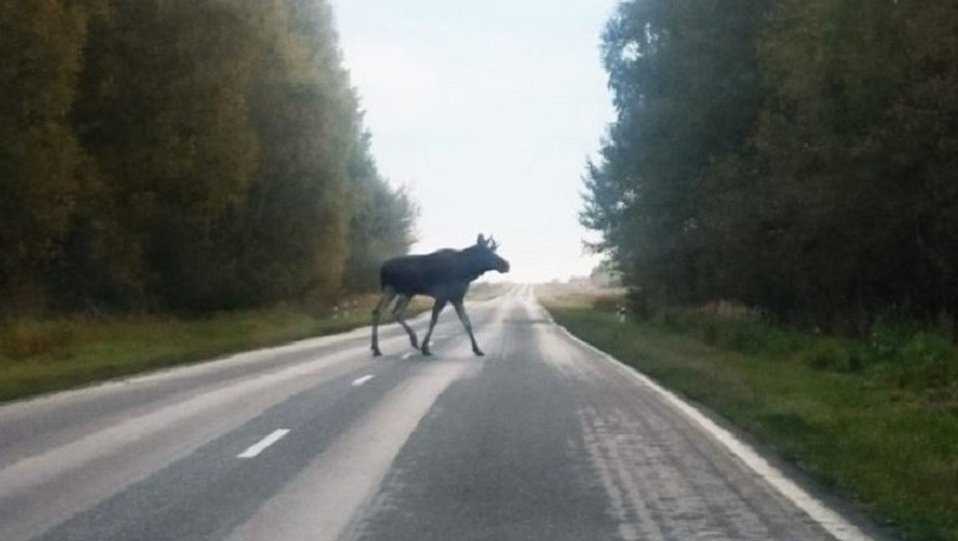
437 80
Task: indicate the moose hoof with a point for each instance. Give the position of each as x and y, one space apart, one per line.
377 353
426 352
478 352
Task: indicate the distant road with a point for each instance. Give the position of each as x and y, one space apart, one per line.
544 438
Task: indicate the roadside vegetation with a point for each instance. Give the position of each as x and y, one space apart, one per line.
40 355
174 156
874 419
797 156
791 165
178 180
50 354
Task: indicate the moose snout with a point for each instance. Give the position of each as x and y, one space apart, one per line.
503 266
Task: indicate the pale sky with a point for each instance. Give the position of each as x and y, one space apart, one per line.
487 111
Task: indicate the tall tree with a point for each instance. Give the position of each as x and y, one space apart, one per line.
382 221
686 89
798 157
305 113
184 155
165 114
43 170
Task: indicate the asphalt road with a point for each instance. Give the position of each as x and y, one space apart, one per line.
544 438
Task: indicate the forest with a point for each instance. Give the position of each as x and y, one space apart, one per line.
796 156
174 155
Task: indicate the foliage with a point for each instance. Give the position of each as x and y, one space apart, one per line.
44 172
171 154
381 224
797 156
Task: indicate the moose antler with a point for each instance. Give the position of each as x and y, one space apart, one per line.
493 245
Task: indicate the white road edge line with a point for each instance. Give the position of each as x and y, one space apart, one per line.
362 380
834 523
406 356
260 446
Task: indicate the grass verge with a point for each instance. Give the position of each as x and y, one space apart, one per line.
39 356
876 420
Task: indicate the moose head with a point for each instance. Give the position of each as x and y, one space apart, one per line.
483 255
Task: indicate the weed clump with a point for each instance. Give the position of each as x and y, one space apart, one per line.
830 354
710 334
607 303
927 361
30 338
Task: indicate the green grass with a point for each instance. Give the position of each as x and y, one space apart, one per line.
876 420
38 356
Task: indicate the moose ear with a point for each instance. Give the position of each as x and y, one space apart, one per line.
481 240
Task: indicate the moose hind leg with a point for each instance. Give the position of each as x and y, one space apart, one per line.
464 318
436 309
388 295
399 312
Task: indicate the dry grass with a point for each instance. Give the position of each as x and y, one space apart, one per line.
43 355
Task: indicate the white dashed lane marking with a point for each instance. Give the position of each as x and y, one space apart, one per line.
262 444
362 380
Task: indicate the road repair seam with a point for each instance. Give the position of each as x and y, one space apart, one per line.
831 521
262 444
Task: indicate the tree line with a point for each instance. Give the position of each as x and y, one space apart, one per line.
799 156
184 155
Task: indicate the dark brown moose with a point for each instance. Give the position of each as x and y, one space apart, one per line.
444 275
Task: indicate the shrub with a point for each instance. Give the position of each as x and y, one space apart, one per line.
830 354
926 348
710 334
928 361
669 319
887 341
639 305
27 338
607 304
748 338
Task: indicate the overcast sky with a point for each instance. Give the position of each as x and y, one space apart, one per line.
487 111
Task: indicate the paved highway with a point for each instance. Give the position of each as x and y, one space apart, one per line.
544 438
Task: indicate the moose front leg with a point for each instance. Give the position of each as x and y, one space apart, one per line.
387 297
464 318
436 308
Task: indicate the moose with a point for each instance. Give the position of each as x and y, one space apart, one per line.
444 275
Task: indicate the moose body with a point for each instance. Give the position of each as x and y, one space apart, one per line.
444 275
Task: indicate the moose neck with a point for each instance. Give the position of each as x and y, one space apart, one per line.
473 265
